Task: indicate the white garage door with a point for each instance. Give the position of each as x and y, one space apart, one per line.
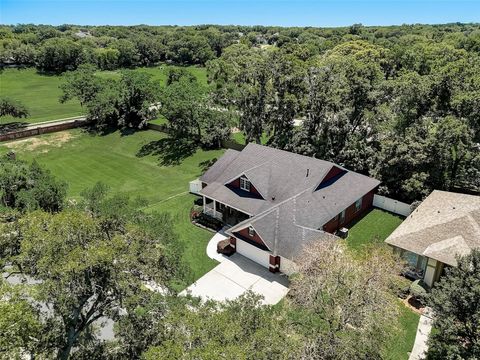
253 253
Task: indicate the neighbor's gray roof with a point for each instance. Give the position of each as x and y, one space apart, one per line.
445 225
289 194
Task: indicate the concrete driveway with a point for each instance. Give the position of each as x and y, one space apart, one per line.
234 276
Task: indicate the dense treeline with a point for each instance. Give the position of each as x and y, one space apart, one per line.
400 103
60 48
407 115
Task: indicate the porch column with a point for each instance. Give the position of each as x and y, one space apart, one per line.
429 276
214 209
204 203
233 242
274 264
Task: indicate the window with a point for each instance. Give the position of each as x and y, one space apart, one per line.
416 263
358 204
342 217
244 183
251 231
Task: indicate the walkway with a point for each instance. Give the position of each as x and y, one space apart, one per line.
234 276
423 331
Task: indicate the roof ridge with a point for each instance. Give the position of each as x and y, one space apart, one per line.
269 210
474 222
430 227
290 153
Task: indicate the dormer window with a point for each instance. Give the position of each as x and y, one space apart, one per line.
244 183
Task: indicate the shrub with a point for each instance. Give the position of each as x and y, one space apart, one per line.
401 286
419 290
208 221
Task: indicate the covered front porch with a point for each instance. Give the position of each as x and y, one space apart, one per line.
225 213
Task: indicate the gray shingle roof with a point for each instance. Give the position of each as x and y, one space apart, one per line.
444 225
293 209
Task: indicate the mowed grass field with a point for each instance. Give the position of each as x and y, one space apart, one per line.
374 227
40 92
82 159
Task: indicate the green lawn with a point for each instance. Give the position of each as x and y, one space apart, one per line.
375 227
405 336
130 164
196 239
239 137
159 121
372 228
40 93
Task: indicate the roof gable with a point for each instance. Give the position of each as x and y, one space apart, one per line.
300 194
235 185
333 175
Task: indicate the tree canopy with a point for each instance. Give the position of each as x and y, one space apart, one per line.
454 301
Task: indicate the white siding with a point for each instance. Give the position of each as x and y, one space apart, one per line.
195 186
394 206
253 253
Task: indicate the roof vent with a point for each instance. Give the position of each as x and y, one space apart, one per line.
308 172
273 198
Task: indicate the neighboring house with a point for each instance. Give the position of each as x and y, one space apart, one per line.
443 226
278 202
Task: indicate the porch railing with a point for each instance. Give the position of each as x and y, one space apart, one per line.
209 210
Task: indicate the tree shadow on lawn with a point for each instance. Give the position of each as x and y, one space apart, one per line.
169 150
207 164
104 130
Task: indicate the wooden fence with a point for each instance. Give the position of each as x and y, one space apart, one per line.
43 128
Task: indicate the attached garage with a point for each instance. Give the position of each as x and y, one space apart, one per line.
253 253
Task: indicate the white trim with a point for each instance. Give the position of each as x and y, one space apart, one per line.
243 173
244 181
256 232
251 183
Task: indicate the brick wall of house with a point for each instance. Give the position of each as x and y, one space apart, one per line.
350 213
